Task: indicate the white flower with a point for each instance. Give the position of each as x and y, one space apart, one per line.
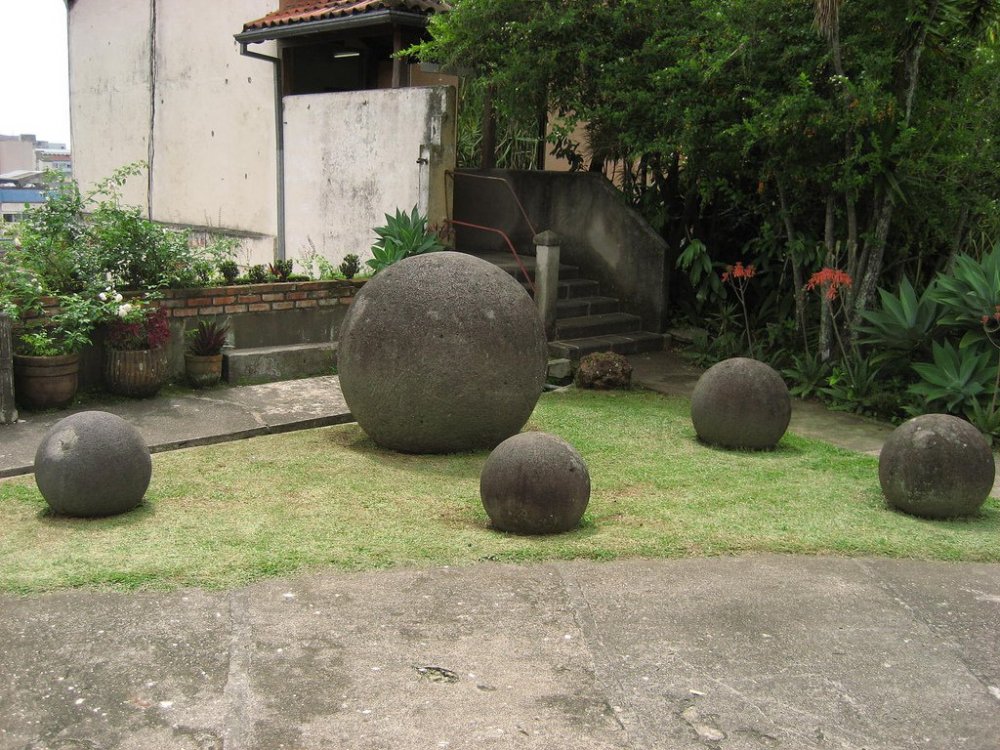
124 310
102 297
118 297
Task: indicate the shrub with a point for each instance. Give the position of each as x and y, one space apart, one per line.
350 266
207 339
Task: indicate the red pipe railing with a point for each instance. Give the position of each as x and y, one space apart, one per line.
510 246
509 190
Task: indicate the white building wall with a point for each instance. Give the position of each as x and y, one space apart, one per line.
214 159
352 157
109 83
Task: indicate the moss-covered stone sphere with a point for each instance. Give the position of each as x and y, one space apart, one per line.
535 483
92 464
936 466
440 353
741 403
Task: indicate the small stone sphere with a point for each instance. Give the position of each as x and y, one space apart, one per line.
535 483
936 466
741 403
92 464
440 353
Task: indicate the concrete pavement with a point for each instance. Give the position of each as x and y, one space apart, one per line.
736 653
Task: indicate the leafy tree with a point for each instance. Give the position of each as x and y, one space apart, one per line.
862 136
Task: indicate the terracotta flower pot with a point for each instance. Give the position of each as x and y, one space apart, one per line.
139 373
203 371
46 382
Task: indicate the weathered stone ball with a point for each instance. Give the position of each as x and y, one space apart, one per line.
440 353
535 483
936 466
92 464
741 403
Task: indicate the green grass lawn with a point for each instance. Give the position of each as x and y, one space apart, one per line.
224 515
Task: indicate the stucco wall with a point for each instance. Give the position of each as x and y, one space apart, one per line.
214 143
352 157
15 155
110 89
197 111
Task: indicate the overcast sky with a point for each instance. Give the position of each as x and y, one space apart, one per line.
34 86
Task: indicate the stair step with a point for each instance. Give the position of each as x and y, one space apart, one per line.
622 343
572 308
506 262
597 325
264 364
573 288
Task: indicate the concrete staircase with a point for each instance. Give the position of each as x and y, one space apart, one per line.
586 321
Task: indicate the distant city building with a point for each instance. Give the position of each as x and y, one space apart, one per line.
25 152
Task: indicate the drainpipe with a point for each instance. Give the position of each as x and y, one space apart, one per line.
279 140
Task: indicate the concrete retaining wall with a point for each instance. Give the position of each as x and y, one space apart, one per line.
606 238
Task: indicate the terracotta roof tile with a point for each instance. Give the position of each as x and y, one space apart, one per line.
301 11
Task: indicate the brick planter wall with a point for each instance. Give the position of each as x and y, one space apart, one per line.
273 314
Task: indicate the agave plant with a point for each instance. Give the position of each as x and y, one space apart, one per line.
904 323
402 236
955 378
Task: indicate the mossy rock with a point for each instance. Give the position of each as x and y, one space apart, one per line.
604 371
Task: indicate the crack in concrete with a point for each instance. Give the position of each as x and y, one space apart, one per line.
238 731
583 617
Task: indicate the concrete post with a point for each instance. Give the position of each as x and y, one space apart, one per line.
8 414
547 278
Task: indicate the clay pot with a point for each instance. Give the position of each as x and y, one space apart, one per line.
46 382
203 371
138 374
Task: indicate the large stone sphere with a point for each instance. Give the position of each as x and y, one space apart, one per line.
535 483
741 403
936 466
441 352
92 464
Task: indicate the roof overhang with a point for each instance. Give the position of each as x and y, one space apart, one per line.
338 23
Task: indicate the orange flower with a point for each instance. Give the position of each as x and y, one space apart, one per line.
831 280
739 271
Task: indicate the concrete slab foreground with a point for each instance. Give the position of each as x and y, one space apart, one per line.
194 417
735 653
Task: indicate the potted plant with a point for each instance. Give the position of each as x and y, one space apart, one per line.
47 353
203 359
135 352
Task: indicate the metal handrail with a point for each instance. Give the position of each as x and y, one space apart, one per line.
510 245
510 189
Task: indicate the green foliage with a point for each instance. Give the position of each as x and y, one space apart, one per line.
853 385
808 374
207 339
701 271
257 274
280 270
350 266
955 379
402 236
229 270
969 290
904 323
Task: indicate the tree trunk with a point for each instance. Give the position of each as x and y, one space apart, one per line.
8 412
797 282
826 313
875 251
488 144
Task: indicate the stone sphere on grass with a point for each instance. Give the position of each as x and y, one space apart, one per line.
535 483
741 403
440 353
936 466
92 464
